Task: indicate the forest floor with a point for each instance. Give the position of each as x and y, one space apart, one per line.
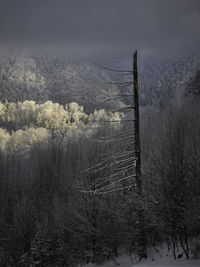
161 258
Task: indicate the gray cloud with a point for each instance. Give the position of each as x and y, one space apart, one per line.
154 26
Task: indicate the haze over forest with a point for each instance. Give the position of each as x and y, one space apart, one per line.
89 175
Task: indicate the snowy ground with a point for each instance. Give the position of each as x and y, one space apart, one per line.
161 258
125 262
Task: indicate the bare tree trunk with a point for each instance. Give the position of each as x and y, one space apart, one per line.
140 231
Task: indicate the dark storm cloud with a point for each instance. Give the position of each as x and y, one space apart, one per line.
150 25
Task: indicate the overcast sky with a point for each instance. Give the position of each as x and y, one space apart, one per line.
152 26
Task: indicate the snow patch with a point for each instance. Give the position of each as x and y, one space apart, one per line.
159 257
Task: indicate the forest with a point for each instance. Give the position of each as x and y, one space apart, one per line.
100 133
68 193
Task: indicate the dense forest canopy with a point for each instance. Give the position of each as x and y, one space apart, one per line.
24 124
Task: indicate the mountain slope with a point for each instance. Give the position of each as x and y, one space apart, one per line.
39 77
160 81
62 80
